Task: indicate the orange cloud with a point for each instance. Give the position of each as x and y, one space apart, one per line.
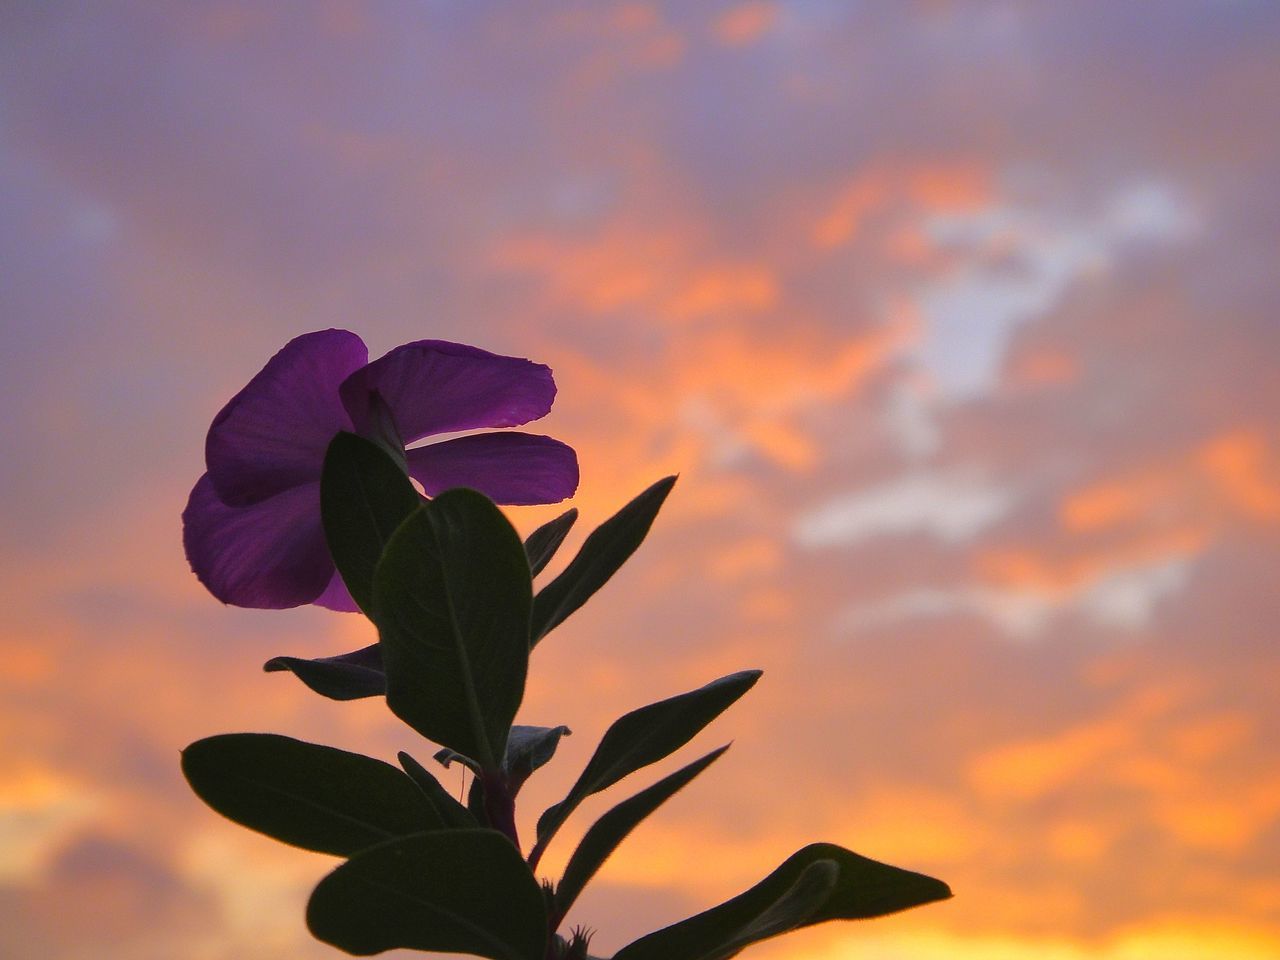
1245 471
1222 817
959 188
742 288
1233 474
717 394
911 190
746 558
623 39
1044 368
1108 504
850 209
660 272
745 23
39 809
1024 569
1186 771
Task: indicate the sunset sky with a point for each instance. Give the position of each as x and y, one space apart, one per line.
959 321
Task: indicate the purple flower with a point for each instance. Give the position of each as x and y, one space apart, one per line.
252 527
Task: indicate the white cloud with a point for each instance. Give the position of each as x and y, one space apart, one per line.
1127 598
910 421
951 506
1016 265
1123 598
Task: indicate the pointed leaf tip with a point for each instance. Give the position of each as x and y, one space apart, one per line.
348 676
642 737
451 812
542 544
783 901
602 554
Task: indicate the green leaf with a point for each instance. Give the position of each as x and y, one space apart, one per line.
450 811
603 552
455 891
364 496
545 541
309 795
602 839
348 676
642 737
784 900
453 595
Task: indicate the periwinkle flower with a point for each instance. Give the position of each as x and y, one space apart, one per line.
252 528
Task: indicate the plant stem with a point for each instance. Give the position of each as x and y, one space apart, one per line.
539 848
500 806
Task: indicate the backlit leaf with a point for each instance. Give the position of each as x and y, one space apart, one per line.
785 900
642 737
453 595
309 795
603 552
454 891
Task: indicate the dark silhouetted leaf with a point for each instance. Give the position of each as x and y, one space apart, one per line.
785 900
452 595
348 676
603 552
453 813
545 541
447 757
642 737
305 794
790 911
455 891
364 496
602 839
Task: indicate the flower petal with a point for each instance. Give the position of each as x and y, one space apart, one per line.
272 435
511 468
268 555
433 386
336 596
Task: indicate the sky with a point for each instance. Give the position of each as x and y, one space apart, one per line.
958 322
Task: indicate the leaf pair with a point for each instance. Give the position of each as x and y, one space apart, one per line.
311 796
640 738
421 874
635 740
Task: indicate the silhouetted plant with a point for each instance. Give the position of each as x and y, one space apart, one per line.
449 586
